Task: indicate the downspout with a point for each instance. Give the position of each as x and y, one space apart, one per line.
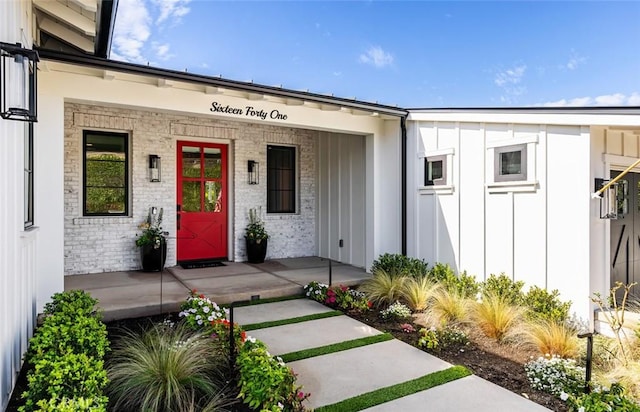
403 138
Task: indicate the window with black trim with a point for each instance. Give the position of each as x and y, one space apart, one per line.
28 178
106 173
281 179
510 163
435 170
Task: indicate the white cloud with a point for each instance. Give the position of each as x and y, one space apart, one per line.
175 9
510 76
575 60
131 31
377 57
615 99
162 50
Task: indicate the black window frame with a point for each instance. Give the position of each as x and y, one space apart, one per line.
442 180
29 189
275 170
127 184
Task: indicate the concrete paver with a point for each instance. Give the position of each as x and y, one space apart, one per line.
469 394
341 275
341 375
312 334
269 312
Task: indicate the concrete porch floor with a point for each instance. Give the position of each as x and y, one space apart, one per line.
133 294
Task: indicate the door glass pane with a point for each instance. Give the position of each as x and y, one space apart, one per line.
212 163
190 161
191 196
511 163
213 197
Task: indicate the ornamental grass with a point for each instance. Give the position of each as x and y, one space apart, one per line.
383 289
496 316
417 292
553 338
447 307
167 368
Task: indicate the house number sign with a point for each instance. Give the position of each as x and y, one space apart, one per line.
247 111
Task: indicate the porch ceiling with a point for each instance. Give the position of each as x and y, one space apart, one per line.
83 26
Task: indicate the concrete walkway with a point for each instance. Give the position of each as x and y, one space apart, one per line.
133 294
342 375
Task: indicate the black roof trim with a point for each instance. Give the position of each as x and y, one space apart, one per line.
103 63
106 19
631 110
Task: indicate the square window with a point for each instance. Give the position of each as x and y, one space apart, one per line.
106 173
510 163
281 179
435 168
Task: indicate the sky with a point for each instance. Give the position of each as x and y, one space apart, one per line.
414 54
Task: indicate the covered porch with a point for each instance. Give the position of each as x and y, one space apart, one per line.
131 294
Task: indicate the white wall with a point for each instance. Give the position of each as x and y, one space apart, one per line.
537 231
18 281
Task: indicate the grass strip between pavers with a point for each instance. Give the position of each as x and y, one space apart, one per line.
336 347
270 324
265 300
390 393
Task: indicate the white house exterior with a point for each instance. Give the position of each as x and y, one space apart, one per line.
539 225
356 176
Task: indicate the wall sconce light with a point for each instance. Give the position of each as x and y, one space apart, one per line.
19 68
253 168
154 168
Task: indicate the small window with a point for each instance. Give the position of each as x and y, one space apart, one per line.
435 171
106 177
28 178
510 163
281 179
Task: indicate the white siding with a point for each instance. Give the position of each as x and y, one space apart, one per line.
17 247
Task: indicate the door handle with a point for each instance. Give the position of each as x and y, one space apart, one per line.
178 217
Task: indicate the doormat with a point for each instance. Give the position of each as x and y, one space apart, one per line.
197 264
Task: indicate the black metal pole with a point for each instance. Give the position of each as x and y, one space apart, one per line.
330 273
587 379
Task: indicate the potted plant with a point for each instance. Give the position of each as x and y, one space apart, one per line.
256 238
152 242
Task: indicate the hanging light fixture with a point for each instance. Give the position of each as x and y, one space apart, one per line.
154 168
18 68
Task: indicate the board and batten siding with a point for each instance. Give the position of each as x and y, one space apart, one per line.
18 292
341 198
536 230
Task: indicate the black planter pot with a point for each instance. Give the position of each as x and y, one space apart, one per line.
153 259
256 250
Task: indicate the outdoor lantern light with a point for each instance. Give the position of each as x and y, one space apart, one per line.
18 69
253 167
154 168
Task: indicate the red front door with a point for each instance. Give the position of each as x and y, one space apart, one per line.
202 201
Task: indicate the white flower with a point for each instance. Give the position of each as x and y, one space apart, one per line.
200 303
564 396
193 310
199 322
581 409
198 317
206 309
251 339
210 318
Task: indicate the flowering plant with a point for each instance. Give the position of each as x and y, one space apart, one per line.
199 311
338 296
555 375
397 311
437 339
255 229
152 233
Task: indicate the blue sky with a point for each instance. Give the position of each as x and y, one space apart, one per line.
411 54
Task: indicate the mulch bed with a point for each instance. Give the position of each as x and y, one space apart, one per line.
500 364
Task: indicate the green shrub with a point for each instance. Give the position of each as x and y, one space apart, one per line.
342 296
612 399
76 302
165 369
70 376
438 339
266 383
61 334
463 284
72 405
545 305
503 287
400 265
